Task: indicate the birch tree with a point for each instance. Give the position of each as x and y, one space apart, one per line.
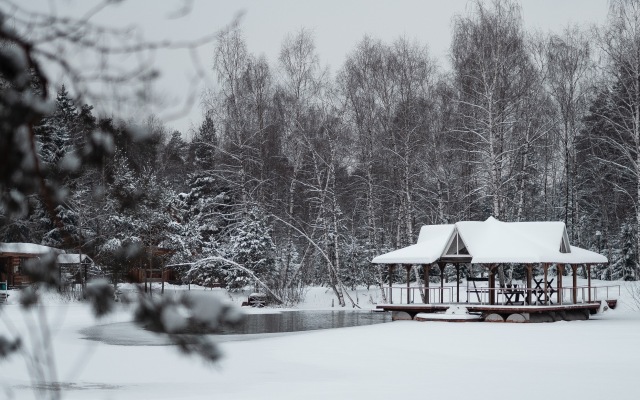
569 66
299 75
358 84
620 42
491 74
362 109
241 107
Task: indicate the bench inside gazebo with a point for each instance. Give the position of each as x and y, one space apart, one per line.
484 246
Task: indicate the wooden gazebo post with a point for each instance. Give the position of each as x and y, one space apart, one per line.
492 284
390 283
574 293
442 266
408 268
560 271
529 282
545 268
589 281
457 283
426 268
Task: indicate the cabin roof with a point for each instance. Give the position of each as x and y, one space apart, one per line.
26 248
493 242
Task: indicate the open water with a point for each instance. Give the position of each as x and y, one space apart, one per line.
255 326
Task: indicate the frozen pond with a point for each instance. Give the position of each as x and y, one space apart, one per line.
255 326
308 320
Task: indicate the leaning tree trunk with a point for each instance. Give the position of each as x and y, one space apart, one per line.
334 227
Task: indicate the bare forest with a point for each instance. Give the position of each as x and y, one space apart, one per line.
299 175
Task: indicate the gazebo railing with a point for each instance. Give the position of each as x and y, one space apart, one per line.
536 296
606 292
436 294
503 296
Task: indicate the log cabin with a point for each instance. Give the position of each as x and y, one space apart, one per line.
13 257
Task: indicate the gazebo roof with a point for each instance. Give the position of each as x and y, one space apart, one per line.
431 245
492 242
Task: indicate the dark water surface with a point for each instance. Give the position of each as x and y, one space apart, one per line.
308 320
255 326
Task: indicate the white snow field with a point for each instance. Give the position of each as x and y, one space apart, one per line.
595 359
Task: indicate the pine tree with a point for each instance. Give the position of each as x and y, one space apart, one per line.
182 236
57 132
209 207
624 266
203 148
54 141
66 110
251 246
67 232
206 218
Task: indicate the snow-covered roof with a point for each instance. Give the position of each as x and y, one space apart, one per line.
431 244
27 248
433 234
73 258
493 242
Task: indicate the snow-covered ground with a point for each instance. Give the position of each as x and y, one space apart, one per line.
593 359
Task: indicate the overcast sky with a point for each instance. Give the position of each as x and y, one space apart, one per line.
337 26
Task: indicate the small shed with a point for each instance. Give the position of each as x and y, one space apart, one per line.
75 266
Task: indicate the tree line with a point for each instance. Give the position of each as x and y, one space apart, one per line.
296 175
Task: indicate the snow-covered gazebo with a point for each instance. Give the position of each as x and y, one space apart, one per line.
491 243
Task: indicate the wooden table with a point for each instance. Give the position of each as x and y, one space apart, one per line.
512 291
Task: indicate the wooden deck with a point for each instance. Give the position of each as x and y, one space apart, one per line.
539 312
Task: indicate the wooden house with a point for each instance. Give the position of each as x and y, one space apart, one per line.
152 266
13 257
